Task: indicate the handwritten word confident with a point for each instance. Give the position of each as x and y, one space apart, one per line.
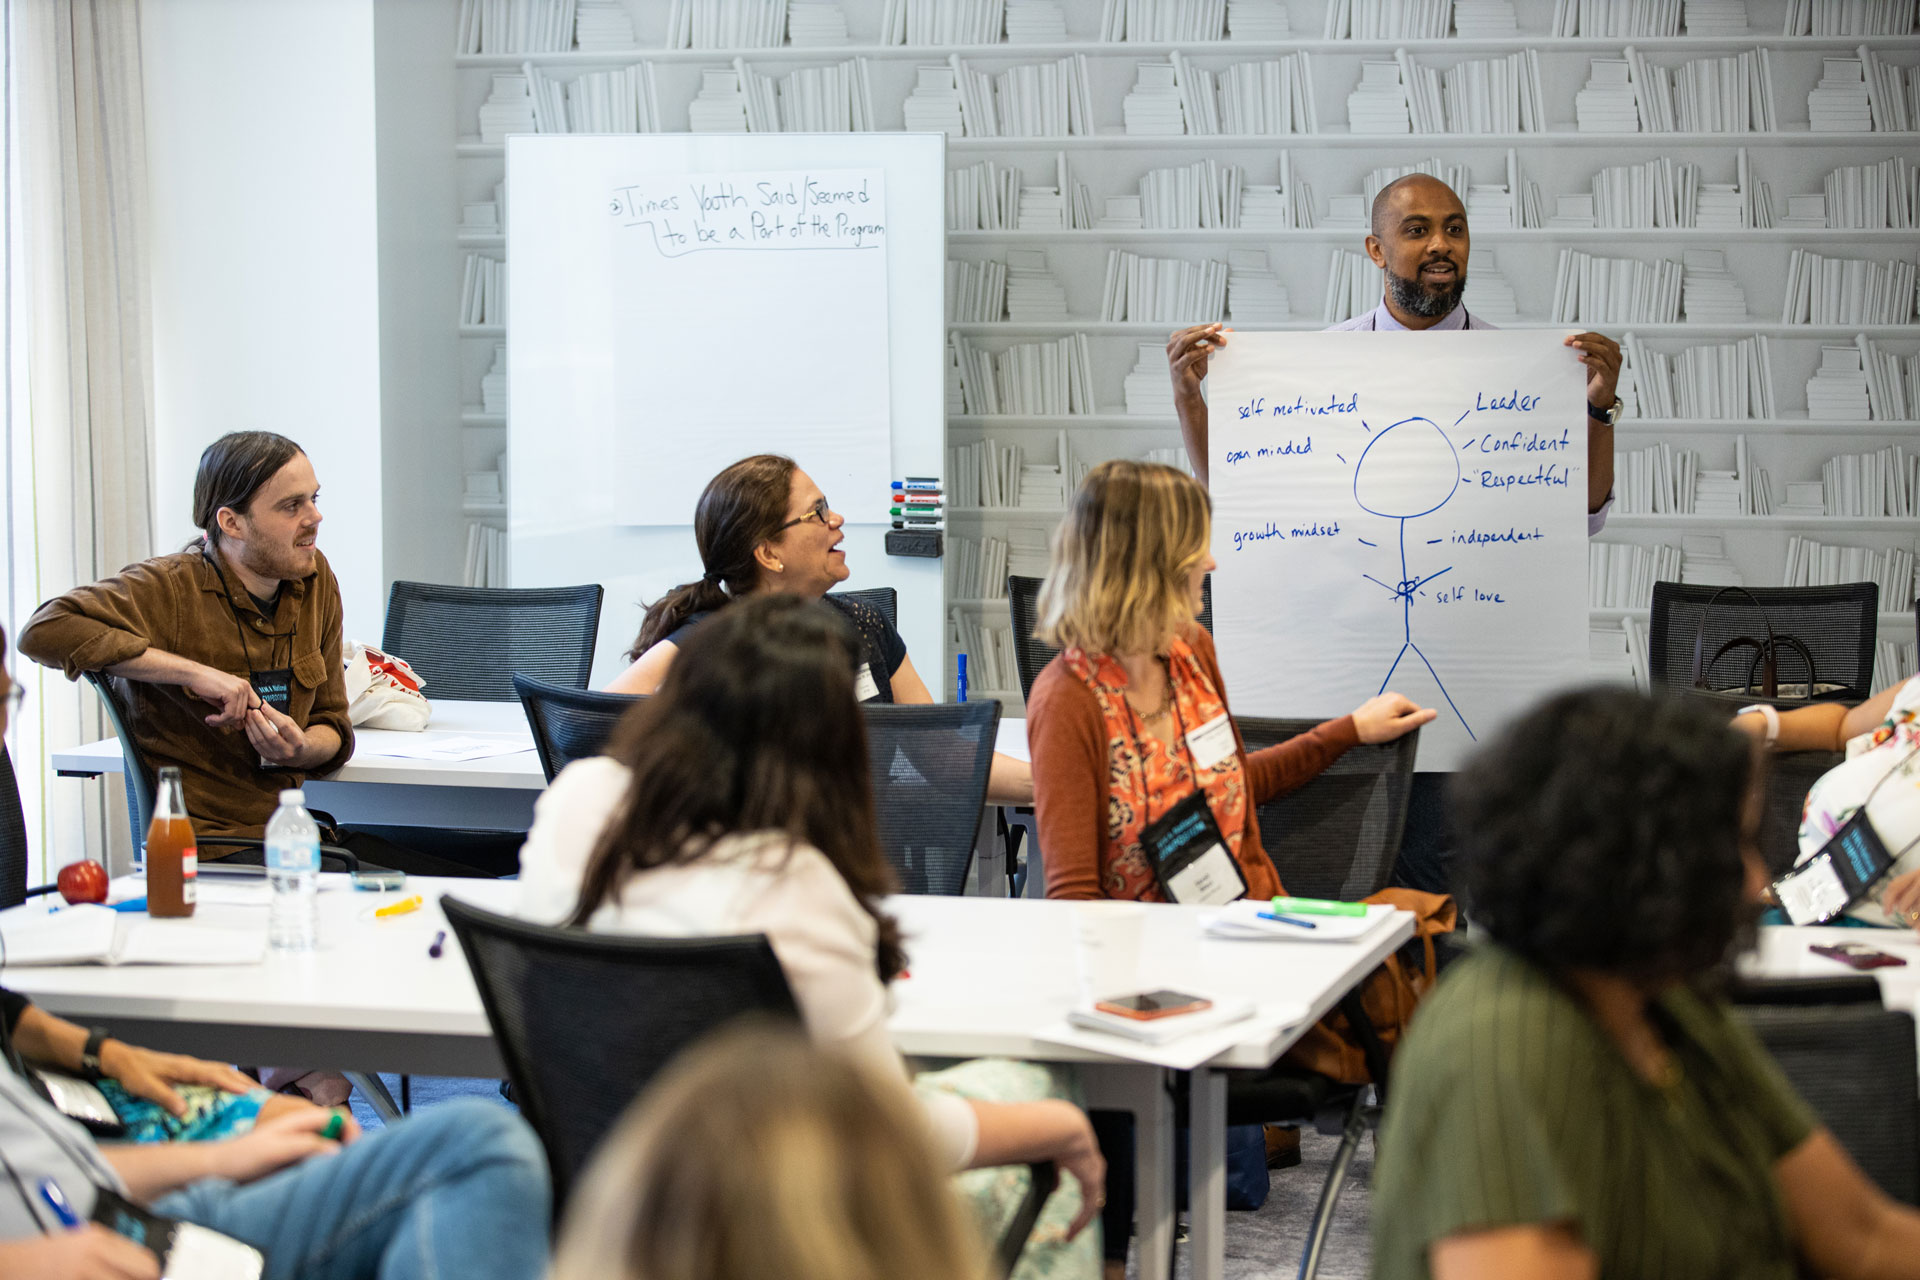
1523 442
1313 529
1292 448
1259 408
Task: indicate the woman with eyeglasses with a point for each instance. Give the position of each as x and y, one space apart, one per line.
764 528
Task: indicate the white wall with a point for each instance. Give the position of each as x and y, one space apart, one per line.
261 156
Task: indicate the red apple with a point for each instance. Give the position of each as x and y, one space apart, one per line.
83 881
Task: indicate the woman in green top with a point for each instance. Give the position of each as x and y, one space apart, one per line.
1573 1101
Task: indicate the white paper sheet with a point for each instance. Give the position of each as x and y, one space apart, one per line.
426 747
1399 511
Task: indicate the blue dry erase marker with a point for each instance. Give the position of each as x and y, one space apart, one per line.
963 677
1304 924
50 1193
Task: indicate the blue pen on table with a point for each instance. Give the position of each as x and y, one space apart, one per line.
1304 924
963 677
50 1193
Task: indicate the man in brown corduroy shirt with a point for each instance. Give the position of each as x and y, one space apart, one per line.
228 652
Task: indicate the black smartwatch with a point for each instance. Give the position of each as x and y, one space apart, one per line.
90 1054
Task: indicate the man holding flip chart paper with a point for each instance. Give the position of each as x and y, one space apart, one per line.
1419 238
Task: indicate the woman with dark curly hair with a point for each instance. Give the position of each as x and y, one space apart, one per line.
1573 1100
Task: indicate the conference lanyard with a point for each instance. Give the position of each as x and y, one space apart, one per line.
1183 846
273 685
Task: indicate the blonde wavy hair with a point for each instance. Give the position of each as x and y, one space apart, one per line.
1122 559
757 1156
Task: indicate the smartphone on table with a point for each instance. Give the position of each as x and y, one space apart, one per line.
1149 1005
1858 955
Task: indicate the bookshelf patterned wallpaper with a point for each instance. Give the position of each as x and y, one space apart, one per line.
1729 188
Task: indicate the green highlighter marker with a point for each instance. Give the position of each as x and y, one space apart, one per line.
1318 907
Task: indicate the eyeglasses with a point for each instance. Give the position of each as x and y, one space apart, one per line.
818 511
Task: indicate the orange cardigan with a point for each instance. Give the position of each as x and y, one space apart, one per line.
1068 741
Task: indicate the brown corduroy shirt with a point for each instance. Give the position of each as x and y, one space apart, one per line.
176 603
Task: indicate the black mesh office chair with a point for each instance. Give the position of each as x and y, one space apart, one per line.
930 766
569 724
141 779
1838 624
1853 1062
1031 654
585 1021
465 641
13 836
1336 836
1790 775
884 599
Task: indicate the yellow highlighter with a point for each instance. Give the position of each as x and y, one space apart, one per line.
399 908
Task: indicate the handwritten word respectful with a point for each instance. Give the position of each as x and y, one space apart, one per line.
798 210
1259 408
1554 477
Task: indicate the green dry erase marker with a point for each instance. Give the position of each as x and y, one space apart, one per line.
336 1125
1318 907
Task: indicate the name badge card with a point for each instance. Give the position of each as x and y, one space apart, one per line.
1212 742
1190 856
865 688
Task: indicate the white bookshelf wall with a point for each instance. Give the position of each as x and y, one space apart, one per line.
1053 280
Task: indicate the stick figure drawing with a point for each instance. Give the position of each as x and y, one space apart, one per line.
1414 472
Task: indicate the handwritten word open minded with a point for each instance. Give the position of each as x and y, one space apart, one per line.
779 211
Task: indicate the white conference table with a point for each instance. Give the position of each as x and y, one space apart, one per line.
1784 951
494 793
986 977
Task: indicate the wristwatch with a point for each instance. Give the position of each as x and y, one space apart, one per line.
1769 714
90 1054
1610 415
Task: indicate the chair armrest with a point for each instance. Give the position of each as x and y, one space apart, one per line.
348 860
1044 1177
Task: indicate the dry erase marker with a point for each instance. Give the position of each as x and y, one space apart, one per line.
963 676
1319 907
50 1195
439 945
399 908
336 1125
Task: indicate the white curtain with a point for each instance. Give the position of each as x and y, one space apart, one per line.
79 360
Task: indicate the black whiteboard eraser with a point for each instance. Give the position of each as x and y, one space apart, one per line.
914 542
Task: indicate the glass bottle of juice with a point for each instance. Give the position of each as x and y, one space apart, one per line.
173 860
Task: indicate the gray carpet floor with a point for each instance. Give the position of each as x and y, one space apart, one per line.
1261 1245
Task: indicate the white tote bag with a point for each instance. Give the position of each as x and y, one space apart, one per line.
383 692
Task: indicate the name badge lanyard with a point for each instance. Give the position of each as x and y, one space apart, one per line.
1855 840
274 686
1139 751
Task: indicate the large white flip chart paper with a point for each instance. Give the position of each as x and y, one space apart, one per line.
1401 511
752 308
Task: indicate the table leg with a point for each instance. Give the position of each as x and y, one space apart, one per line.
989 857
1207 1173
1141 1090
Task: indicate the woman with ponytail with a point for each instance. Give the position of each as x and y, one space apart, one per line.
763 527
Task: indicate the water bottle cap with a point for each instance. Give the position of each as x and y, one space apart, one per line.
293 795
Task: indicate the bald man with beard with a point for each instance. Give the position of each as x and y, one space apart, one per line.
1419 239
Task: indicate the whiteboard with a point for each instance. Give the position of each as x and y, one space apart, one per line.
678 302
1404 512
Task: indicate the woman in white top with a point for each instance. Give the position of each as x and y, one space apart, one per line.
1881 772
737 800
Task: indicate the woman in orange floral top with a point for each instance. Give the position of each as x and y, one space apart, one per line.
1131 718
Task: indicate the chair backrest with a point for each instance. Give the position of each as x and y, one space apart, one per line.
585 1021
569 724
884 599
1336 837
466 641
1030 653
1853 1061
13 836
1790 775
1838 624
139 775
930 765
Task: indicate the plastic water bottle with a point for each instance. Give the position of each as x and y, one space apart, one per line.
293 875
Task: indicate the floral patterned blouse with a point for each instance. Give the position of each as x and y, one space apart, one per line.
1892 749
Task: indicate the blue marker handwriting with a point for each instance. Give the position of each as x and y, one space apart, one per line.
1554 477
1271 531
1523 442
1467 595
1292 448
1505 400
1475 537
1259 408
